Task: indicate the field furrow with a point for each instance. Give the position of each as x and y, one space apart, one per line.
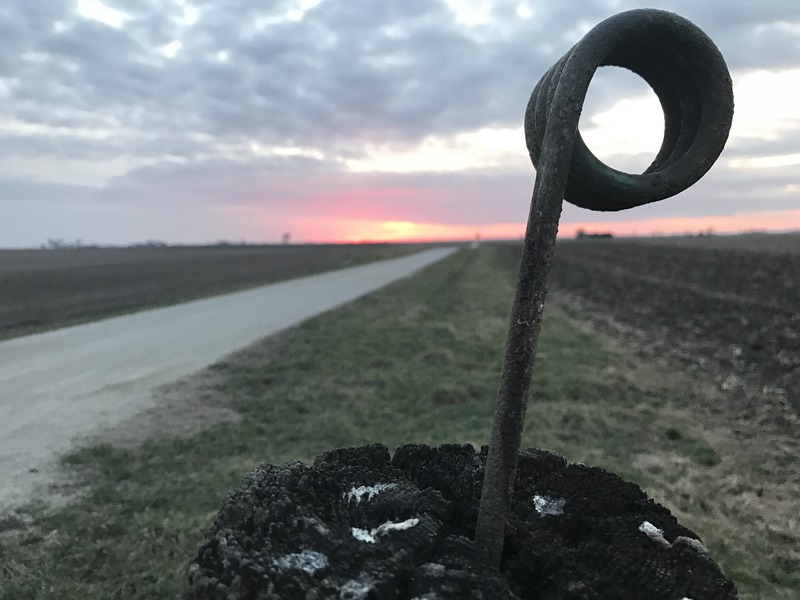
734 315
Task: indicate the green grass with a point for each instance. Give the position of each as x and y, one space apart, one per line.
416 362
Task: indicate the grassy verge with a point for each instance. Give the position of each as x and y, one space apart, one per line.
417 362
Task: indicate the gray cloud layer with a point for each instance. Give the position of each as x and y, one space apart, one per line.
348 74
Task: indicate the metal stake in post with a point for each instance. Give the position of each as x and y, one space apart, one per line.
690 78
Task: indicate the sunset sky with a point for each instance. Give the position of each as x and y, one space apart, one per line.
195 121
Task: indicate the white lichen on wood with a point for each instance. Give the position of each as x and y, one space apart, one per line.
654 533
549 507
363 535
355 589
371 536
307 560
369 491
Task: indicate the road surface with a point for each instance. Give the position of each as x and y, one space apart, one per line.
60 386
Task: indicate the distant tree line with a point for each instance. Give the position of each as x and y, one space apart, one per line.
582 235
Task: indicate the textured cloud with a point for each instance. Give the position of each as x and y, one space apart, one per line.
164 102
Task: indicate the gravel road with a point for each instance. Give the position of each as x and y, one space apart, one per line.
60 386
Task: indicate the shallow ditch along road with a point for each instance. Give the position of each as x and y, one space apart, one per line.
60 386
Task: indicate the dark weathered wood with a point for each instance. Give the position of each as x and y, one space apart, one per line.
359 524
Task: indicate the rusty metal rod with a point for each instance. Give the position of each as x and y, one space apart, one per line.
690 78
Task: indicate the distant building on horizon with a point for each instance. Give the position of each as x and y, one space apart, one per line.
582 235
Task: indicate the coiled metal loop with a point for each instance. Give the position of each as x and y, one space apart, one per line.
690 78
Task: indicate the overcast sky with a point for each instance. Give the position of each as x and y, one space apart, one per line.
206 120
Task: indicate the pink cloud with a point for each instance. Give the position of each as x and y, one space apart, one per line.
360 229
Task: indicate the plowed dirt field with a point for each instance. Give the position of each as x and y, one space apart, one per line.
43 289
726 308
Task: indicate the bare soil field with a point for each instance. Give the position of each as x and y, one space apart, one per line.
776 243
729 314
43 289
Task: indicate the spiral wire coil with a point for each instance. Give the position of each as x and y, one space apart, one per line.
685 70
690 78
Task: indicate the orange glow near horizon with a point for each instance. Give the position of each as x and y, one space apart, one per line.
408 231
366 231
